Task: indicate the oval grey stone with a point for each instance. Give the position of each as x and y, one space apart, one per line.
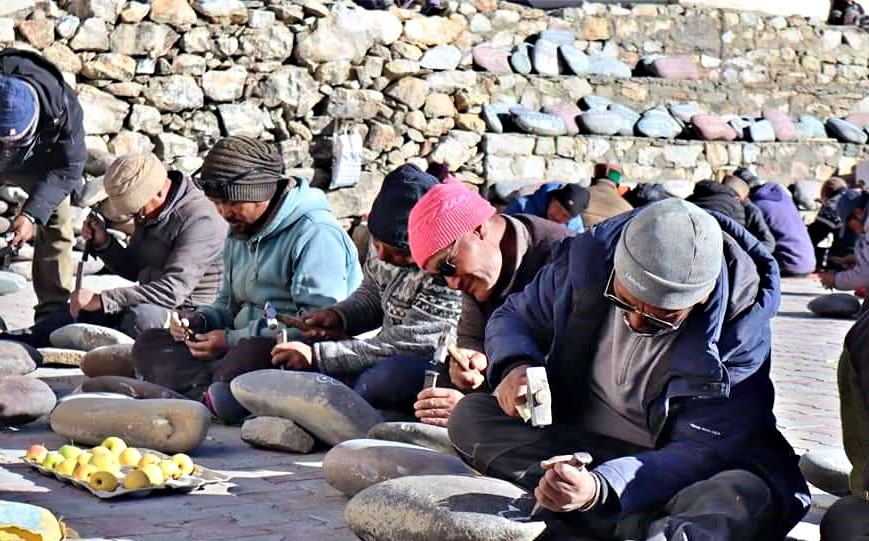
442 57
24 399
86 337
575 59
325 407
447 507
629 118
276 433
539 123
520 60
658 124
827 469
594 102
11 282
114 360
838 305
846 132
355 465
545 58
600 122
761 131
425 435
603 66
17 359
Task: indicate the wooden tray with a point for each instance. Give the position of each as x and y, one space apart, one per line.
200 477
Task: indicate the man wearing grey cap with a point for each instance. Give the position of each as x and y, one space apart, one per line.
654 329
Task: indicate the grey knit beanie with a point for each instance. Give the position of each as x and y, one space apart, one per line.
241 169
669 254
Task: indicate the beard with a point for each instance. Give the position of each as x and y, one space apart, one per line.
242 229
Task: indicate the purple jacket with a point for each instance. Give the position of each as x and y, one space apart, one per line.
793 247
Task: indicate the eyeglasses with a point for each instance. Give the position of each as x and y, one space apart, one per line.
659 326
447 268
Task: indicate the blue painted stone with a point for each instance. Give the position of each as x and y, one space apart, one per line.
600 122
629 118
493 115
761 131
546 60
608 67
520 60
846 132
575 59
442 57
683 111
540 123
558 37
811 126
594 102
658 124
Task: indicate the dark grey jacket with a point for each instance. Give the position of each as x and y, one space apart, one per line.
756 225
175 257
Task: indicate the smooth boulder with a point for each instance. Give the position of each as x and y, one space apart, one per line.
827 469
603 66
114 360
629 118
61 356
167 425
712 128
492 59
600 122
575 59
24 399
838 305
17 359
443 508
326 408
134 388
540 123
545 58
846 132
674 68
810 127
355 465
520 60
276 433
784 127
496 115
594 102
86 337
422 434
658 124
11 282
683 111
761 131
567 112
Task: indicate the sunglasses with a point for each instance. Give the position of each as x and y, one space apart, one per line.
447 268
659 326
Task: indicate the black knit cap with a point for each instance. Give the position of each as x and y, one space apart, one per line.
400 191
241 169
573 197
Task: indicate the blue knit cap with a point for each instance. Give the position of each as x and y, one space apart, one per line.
400 191
17 107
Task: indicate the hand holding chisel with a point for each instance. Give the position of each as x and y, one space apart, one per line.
577 460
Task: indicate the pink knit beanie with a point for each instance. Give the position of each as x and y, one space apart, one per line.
445 213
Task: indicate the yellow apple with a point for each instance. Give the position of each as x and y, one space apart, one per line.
66 467
69 451
104 481
154 473
83 472
148 459
36 453
130 457
114 444
84 458
170 469
104 461
100 450
184 463
52 460
137 479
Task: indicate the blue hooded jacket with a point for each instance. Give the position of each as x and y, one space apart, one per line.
302 259
537 203
714 414
793 246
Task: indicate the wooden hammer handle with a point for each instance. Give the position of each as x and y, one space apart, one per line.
459 357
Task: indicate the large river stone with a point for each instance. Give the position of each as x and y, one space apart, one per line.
11 282
839 305
443 508
355 465
425 435
629 118
167 425
134 388
540 123
827 469
325 407
114 360
24 399
658 124
545 58
276 433
17 359
61 356
600 122
845 131
86 337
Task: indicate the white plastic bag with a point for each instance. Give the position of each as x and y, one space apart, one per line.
346 159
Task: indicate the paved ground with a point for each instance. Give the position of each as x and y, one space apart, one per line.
276 496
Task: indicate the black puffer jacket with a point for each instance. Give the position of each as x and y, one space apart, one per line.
711 195
59 153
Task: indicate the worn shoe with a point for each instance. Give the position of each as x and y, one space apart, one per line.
220 402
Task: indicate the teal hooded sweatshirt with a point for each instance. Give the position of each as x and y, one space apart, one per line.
301 260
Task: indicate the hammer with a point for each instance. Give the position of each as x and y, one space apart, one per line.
577 460
538 399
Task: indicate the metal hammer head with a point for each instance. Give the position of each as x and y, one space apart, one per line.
539 398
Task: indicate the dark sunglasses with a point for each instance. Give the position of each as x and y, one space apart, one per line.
659 326
447 268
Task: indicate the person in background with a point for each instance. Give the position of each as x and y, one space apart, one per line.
793 247
853 212
754 220
557 202
605 196
712 195
646 193
840 255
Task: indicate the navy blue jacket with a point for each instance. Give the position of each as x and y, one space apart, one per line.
715 413
537 204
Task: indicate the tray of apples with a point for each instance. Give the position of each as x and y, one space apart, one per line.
112 469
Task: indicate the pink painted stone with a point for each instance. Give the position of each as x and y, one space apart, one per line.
492 59
784 127
566 112
858 119
713 128
675 68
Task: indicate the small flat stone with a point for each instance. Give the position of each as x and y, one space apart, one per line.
846 132
782 125
326 408
422 434
24 399
658 124
11 282
114 360
629 118
355 465
827 469
276 433
603 66
492 59
520 60
712 128
675 68
761 131
441 57
567 112
455 507
170 426
134 388
594 102
575 59
17 359
494 115
838 305
600 122
540 123
545 58
86 337
61 356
